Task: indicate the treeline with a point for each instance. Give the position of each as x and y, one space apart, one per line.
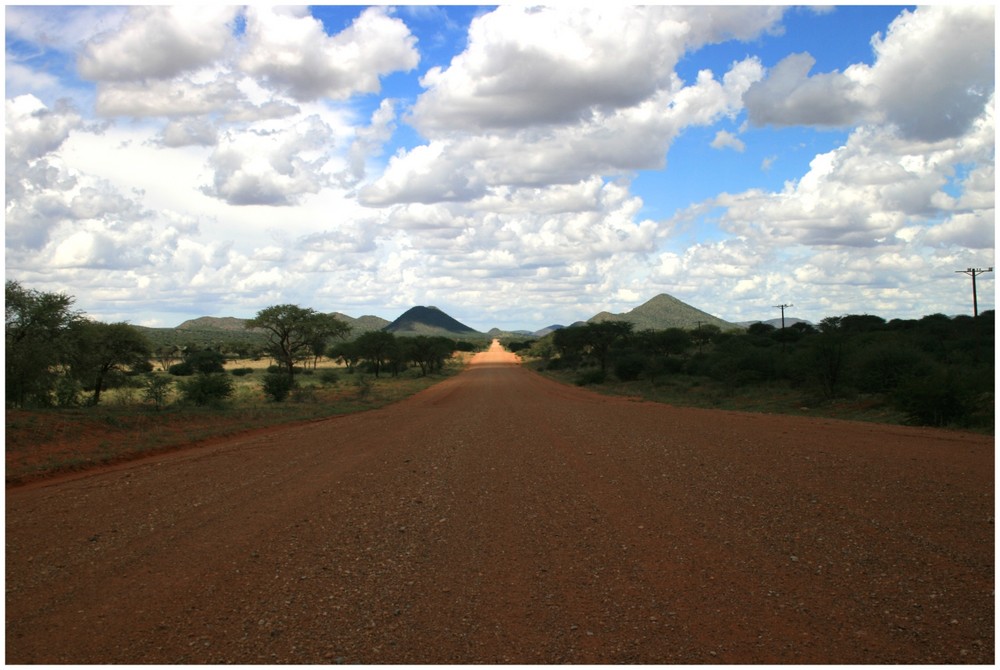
937 370
57 357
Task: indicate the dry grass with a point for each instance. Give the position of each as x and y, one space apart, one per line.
40 443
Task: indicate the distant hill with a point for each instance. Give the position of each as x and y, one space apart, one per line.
213 323
362 324
358 325
229 339
548 329
430 321
789 321
664 311
497 333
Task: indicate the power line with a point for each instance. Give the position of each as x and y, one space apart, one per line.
974 272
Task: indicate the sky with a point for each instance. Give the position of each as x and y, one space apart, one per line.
515 166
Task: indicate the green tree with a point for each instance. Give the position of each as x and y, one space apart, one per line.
602 338
346 352
293 331
38 342
205 361
103 349
377 347
705 334
429 353
571 344
829 350
166 355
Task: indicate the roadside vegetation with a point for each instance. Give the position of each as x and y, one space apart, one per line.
935 371
81 393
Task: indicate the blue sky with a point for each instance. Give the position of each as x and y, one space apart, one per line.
515 166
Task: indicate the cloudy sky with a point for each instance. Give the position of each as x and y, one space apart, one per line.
514 166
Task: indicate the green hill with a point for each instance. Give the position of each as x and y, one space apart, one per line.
362 324
662 312
224 339
213 323
430 321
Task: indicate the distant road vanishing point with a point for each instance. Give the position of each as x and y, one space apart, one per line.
500 517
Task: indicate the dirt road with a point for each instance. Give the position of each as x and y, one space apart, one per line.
499 517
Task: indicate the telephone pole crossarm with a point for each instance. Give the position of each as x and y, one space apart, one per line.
782 308
974 272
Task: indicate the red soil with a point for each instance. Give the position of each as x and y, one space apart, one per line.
499 517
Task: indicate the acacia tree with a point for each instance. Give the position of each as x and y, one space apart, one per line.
292 332
427 352
602 337
103 348
38 339
377 347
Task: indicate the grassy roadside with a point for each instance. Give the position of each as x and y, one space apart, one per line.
45 442
684 391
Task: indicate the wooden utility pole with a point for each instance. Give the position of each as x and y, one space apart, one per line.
782 308
974 272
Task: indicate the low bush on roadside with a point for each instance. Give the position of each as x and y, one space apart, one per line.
591 377
277 386
206 389
157 389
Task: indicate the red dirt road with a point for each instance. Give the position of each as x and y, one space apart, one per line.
499 517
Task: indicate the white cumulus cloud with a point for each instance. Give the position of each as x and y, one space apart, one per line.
933 71
290 50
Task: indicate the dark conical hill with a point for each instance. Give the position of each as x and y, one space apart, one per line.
428 321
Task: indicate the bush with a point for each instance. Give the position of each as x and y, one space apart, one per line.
629 366
363 386
67 392
184 369
329 376
881 368
206 389
304 394
242 372
277 386
591 377
206 361
157 389
934 400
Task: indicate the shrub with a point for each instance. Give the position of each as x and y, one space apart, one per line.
363 386
206 389
304 394
629 366
591 377
206 361
277 386
157 388
242 372
67 392
934 400
557 364
329 376
184 369
881 368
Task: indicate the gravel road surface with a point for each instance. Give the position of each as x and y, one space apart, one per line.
499 517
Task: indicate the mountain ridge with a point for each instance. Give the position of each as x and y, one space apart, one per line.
660 312
664 311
